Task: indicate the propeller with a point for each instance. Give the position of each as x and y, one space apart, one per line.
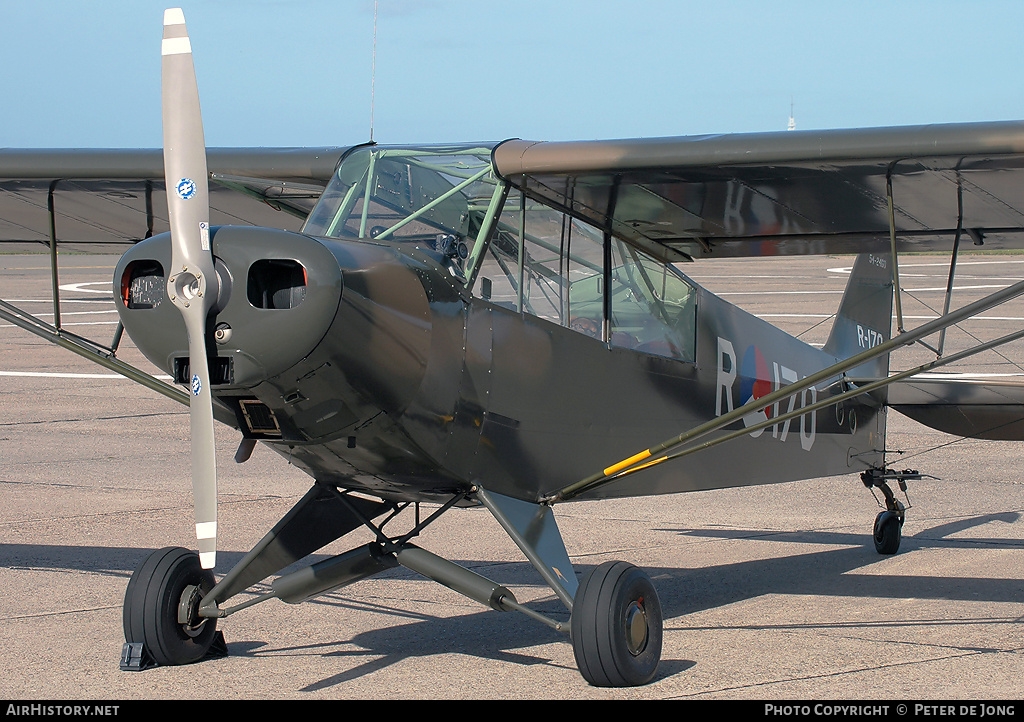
192 284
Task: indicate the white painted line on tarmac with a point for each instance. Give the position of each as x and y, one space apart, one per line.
80 287
66 375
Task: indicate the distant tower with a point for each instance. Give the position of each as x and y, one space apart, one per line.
792 120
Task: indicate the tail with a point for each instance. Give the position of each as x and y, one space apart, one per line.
864 318
975 408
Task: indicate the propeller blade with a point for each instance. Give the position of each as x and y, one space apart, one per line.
192 284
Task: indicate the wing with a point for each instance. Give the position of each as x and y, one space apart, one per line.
114 196
793 192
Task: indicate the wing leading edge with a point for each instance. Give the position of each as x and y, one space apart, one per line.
109 197
792 192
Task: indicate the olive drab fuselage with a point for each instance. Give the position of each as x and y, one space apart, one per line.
408 367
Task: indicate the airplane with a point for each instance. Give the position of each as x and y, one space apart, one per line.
432 327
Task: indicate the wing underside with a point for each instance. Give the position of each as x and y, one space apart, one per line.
800 192
101 200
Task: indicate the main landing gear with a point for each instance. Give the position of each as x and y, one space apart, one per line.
888 529
172 605
161 618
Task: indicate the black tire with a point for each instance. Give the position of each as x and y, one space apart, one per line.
151 607
887 532
610 653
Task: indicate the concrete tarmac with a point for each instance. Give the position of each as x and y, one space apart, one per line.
769 593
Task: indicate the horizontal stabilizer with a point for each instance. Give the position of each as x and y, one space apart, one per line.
972 407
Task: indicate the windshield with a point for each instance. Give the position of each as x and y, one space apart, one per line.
437 196
524 255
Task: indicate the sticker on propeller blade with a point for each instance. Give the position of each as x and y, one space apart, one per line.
204 236
185 189
197 385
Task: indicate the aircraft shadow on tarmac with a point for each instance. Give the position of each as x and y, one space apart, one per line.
832 573
682 591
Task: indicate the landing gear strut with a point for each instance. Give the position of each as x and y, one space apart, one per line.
888 528
172 605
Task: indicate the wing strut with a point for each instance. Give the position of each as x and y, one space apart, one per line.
952 258
858 391
53 254
650 457
898 295
89 350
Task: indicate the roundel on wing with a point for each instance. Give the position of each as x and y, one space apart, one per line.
755 380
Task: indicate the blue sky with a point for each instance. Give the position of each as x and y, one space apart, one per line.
86 73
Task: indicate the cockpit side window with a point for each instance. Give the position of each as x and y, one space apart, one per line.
547 264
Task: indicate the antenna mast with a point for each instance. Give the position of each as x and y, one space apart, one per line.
373 67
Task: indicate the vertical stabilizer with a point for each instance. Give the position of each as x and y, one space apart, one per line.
864 318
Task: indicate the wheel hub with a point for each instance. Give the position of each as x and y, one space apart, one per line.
636 627
188 611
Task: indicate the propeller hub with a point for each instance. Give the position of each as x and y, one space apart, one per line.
187 287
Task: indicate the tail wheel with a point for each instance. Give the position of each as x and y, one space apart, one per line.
161 607
888 532
616 626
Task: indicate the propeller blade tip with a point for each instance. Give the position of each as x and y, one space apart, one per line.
174 16
208 560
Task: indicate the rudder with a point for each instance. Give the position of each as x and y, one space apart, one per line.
864 318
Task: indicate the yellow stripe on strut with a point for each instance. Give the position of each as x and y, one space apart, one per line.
648 465
628 462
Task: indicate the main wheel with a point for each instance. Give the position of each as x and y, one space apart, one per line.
616 626
887 532
169 578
